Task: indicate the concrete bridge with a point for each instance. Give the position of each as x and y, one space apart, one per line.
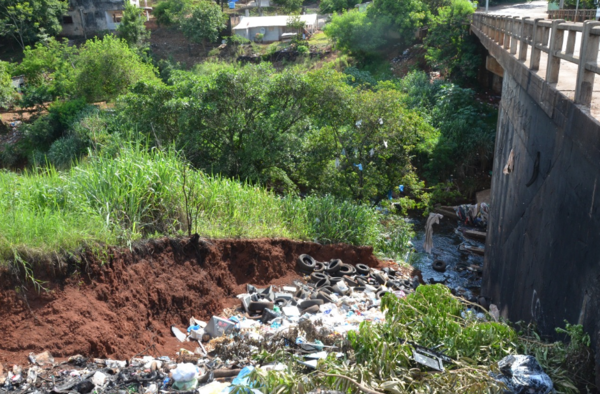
542 259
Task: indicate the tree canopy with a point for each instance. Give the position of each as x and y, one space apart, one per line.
26 22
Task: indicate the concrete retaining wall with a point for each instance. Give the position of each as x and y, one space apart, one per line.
542 260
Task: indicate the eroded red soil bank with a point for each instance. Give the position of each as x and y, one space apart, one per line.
119 305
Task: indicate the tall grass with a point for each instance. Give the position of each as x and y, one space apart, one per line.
143 194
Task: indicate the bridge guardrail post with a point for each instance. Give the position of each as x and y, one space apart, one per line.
556 43
536 38
501 36
523 46
514 28
507 32
587 54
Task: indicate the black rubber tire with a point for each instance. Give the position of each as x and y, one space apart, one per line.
439 266
327 289
345 269
380 293
308 303
361 281
306 263
281 301
380 278
334 266
335 279
319 267
323 296
350 282
359 289
259 306
301 294
317 276
322 283
312 309
362 269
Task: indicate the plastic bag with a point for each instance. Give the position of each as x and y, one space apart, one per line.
523 375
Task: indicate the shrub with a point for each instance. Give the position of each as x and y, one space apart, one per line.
65 151
107 67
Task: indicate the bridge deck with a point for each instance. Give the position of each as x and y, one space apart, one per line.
565 40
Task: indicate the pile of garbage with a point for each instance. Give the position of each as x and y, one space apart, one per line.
308 320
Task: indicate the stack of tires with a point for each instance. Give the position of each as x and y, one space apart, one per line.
338 279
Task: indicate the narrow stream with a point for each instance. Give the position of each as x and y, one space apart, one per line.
458 277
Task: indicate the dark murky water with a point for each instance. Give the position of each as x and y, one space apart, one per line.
446 240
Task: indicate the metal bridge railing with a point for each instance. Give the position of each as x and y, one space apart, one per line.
518 35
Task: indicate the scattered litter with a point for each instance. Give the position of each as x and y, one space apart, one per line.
178 334
523 375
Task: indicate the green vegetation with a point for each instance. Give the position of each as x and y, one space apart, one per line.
139 193
132 28
204 22
430 317
101 69
7 92
388 23
450 47
331 6
27 22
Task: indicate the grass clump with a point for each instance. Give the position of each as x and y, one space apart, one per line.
382 358
143 193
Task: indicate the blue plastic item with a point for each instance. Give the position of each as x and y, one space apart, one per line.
401 188
231 4
196 327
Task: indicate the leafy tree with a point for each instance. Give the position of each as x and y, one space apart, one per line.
245 122
449 45
7 92
28 21
369 153
107 68
204 23
132 28
331 6
401 17
169 12
355 32
289 5
49 71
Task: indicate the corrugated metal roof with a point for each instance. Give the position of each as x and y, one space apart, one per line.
248 22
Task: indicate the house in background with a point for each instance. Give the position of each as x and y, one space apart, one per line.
273 28
93 16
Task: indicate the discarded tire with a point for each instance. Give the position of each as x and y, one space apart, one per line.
322 283
335 279
345 269
317 276
301 293
380 278
259 306
359 289
312 309
334 266
350 282
380 293
308 303
362 269
319 267
439 266
306 263
323 296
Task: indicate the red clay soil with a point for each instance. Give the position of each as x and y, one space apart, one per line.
119 307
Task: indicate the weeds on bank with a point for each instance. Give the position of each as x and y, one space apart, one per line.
382 361
142 193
